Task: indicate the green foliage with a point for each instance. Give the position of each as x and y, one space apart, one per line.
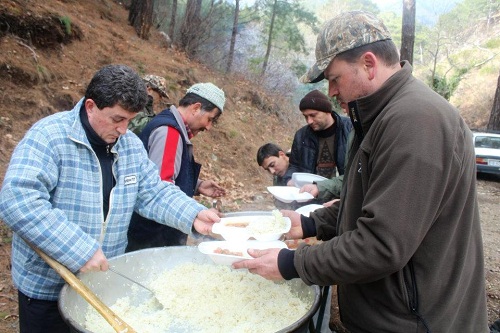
493 43
468 55
466 14
393 23
43 74
289 16
440 85
255 64
66 22
446 87
232 134
141 69
205 202
488 70
5 234
298 68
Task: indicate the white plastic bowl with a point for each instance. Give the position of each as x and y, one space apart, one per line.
302 178
289 193
209 249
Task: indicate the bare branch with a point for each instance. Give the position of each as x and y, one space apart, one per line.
20 42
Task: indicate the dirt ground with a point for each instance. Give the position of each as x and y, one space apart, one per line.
44 68
489 202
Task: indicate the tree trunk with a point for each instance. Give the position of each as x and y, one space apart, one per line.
190 28
494 122
233 36
270 38
408 31
141 17
171 28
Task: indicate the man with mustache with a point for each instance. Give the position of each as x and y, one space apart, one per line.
167 138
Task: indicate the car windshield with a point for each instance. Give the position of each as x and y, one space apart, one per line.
488 142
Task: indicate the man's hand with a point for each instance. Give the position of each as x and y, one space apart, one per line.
205 219
98 262
296 229
331 202
211 189
265 263
310 188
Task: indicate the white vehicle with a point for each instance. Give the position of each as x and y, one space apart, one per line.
487 147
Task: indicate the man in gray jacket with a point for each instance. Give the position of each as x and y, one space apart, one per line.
404 244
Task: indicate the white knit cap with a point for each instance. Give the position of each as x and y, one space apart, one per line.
210 92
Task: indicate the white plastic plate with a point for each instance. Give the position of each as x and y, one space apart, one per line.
209 248
289 193
307 209
302 178
259 227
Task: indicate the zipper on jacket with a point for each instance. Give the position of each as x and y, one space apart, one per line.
355 143
105 218
355 119
103 224
412 292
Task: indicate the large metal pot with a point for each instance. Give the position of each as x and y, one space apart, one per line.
140 265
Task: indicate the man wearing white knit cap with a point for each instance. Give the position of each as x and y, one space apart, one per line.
167 138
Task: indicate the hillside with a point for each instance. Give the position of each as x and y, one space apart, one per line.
44 71
50 50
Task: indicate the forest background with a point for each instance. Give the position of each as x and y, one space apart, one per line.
270 41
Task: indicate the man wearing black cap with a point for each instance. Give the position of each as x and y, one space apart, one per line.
320 146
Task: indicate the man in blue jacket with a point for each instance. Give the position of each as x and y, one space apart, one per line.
320 146
71 187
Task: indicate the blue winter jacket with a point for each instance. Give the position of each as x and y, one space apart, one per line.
52 197
305 148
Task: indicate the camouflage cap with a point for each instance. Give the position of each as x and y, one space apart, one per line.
342 33
157 83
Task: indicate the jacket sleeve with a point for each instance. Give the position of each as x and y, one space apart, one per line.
330 189
325 220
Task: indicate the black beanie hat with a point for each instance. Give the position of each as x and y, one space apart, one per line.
316 100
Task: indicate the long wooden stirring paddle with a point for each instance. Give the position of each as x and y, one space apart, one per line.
116 322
